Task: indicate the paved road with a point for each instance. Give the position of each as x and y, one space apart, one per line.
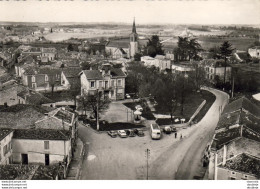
115 158
183 161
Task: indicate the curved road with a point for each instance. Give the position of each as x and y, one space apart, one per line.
171 158
183 161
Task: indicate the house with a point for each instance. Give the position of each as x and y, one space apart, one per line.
159 61
31 172
241 57
42 79
216 69
241 167
23 63
22 115
4 75
6 135
117 51
59 119
43 54
70 78
254 52
8 93
150 61
48 54
164 63
237 133
6 59
33 98
182 68
41 146
108 80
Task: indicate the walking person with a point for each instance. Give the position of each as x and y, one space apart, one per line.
175 134
181 136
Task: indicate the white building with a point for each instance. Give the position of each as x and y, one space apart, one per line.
254 52
179 68
41 146
111 82
5 146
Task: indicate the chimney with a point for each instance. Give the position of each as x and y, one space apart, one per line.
224 155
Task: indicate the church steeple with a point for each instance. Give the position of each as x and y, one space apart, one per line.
134 28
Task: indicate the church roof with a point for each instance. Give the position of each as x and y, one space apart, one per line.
134 28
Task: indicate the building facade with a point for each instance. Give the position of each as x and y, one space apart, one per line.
111 82
6 146
254 52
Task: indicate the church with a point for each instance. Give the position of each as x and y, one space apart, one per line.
123 49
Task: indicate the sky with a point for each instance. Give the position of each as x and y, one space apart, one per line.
145 11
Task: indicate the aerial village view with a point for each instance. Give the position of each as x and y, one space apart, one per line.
106 99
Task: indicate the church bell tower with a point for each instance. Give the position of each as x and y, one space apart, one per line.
133 41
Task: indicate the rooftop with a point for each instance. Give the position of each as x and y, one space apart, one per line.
117 72
4 132
49 50
42 134
28 172
71 72
93 74
244 163
242 103
64 115
20 107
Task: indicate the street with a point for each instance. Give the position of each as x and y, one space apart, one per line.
119 159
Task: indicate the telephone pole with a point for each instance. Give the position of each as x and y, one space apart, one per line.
147 155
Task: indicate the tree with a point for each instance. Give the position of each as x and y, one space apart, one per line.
95 102
153 47
52 82
193 49
137 56
70 47
225 52
215 52
198 76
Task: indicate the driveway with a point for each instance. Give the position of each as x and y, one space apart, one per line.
118 159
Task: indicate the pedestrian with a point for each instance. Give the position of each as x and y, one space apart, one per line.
181 136
176 135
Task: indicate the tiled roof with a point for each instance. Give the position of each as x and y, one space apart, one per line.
42 134
228 120
242 103
224 137
244 163
49 50
117 72
119 44
64 115
21 107
28 172
41 70
71 72
4 132
93 74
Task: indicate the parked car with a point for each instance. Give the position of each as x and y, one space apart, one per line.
122 133
127 96
173 128
139 108
167 130
127 131
131 133
113 134
139 133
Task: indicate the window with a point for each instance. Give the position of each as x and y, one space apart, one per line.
119 82
5 149
33 78
92 84
46 145
100 83
112 83
46 77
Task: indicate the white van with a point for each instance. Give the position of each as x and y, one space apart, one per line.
155 131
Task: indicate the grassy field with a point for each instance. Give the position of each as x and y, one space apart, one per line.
190 106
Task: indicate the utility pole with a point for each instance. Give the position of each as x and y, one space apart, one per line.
233 84
97 110
147 155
